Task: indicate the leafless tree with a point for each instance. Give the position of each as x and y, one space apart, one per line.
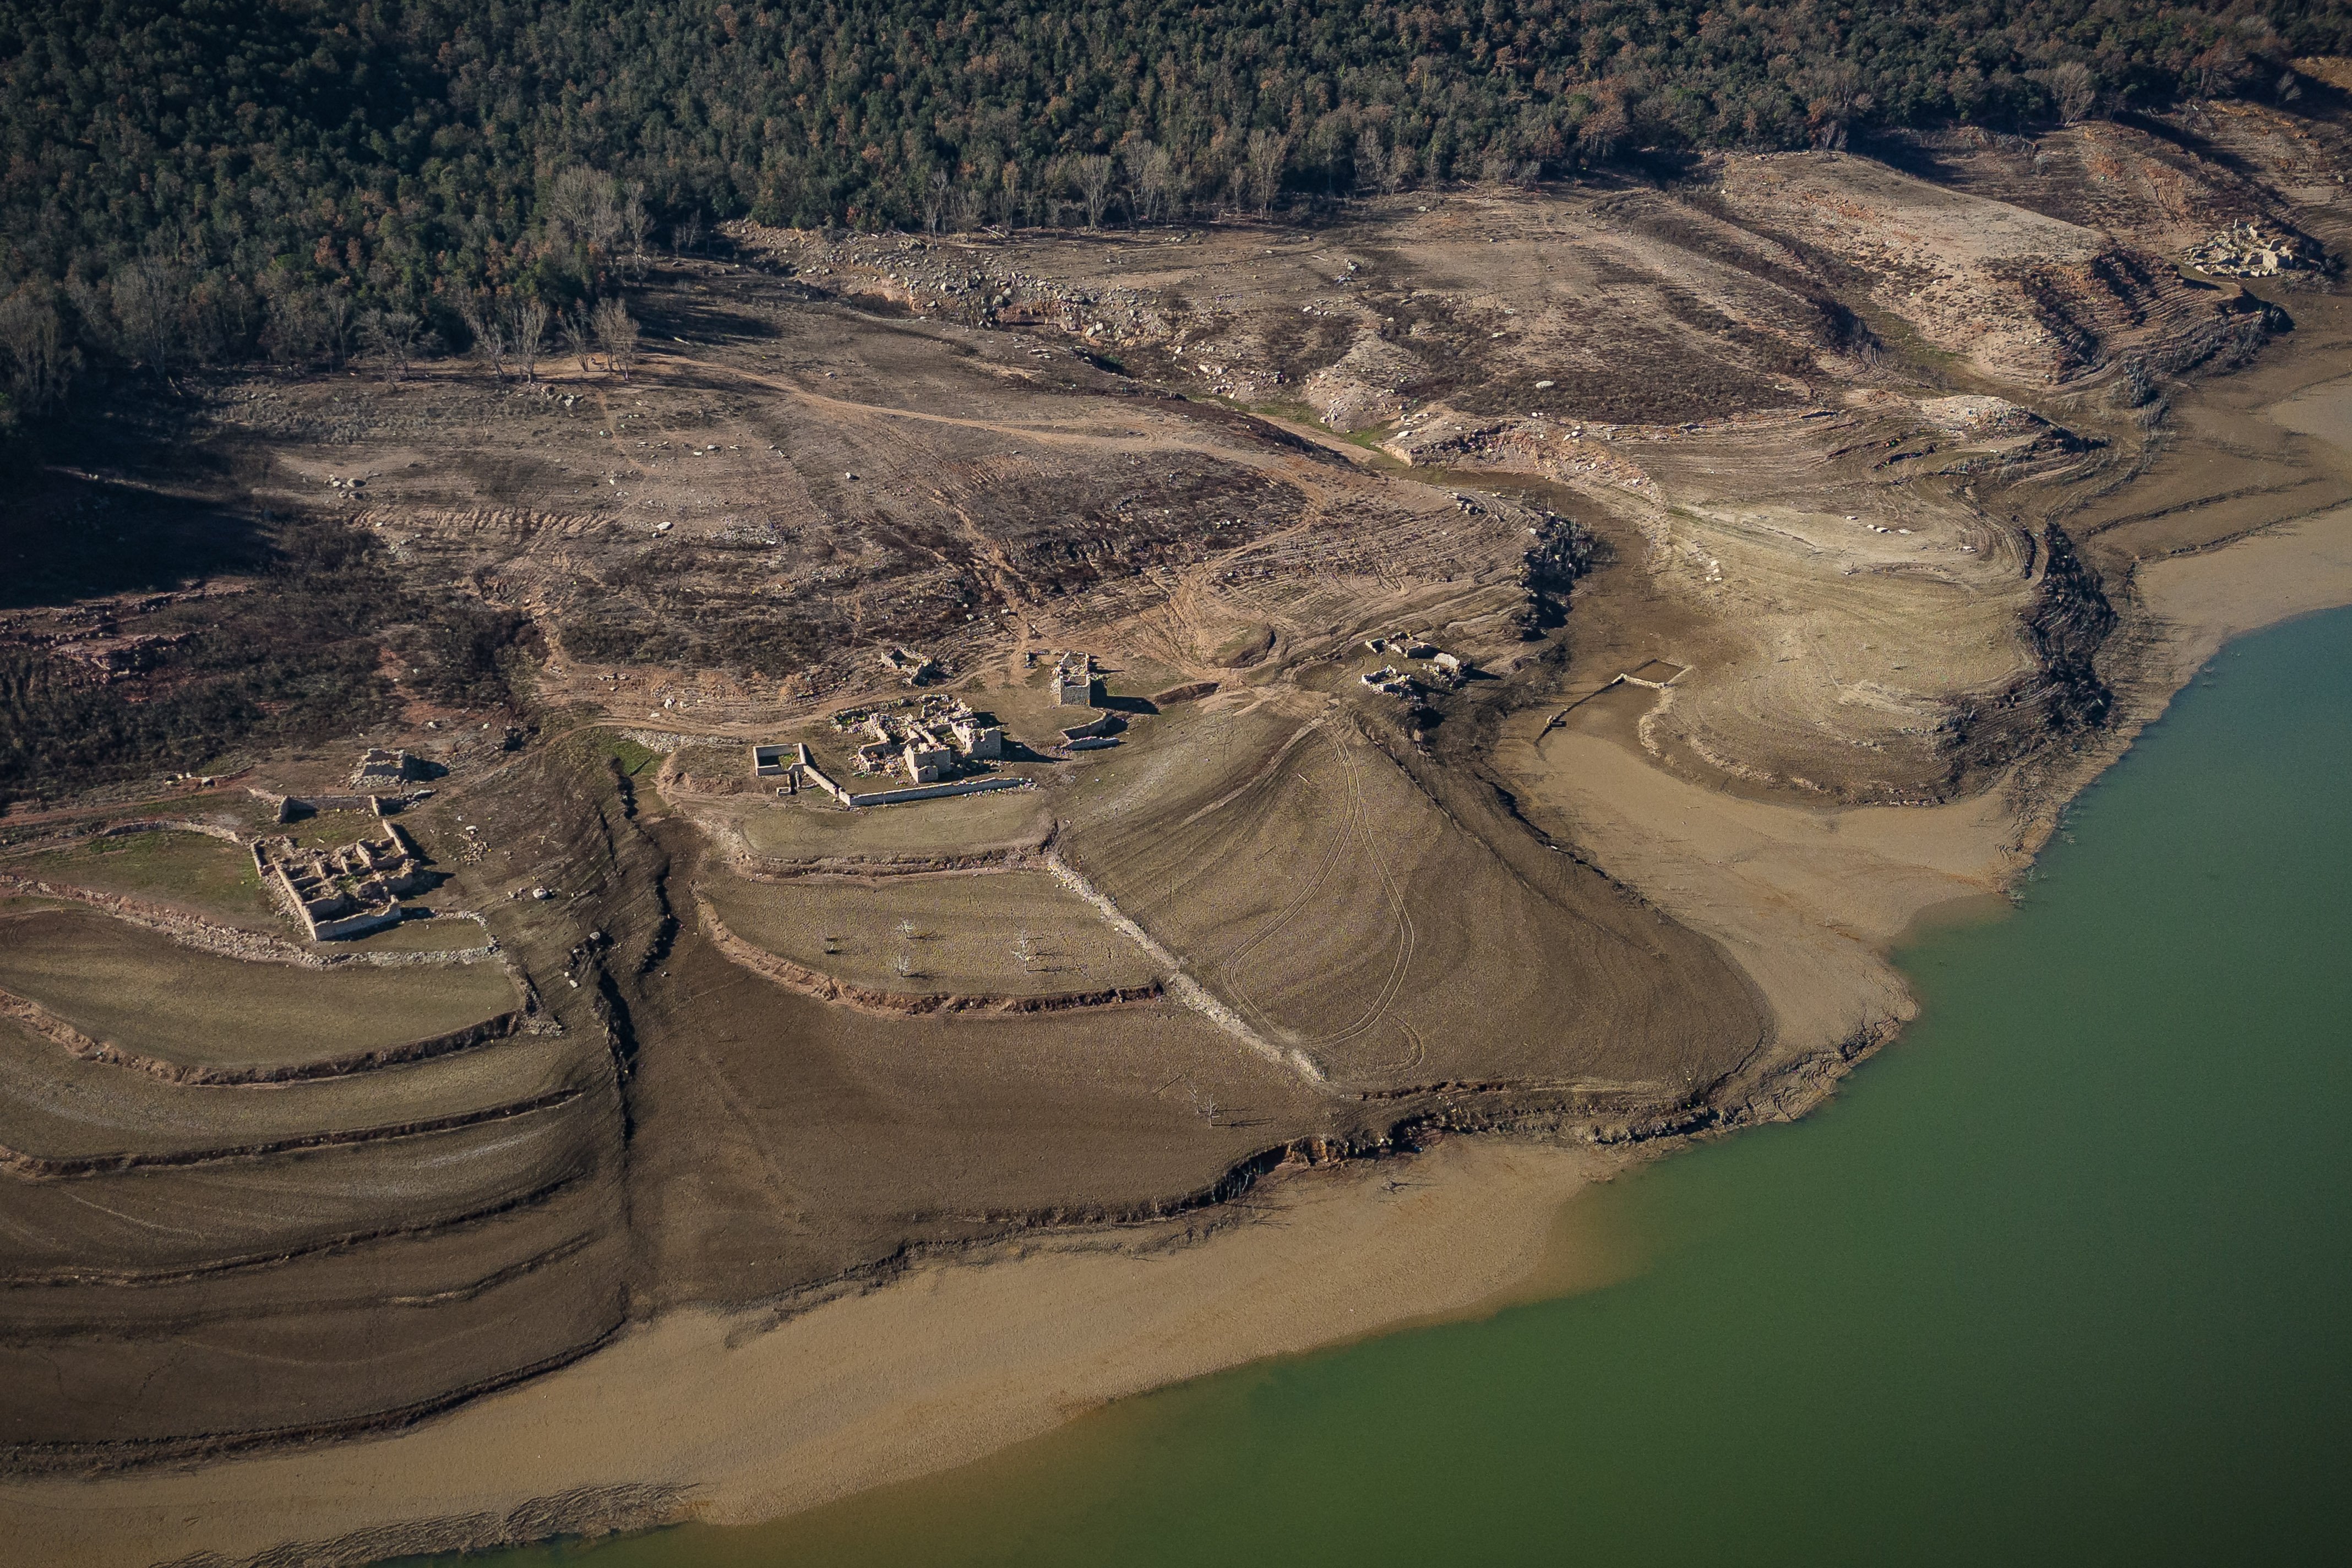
2076 90
486 325
685 235
1092 175
1608 127
335 317
33 336
1268 152
935 199
148 295
636 223
529 332
616 333
965 209
1833 96
1151 171
1403 165
1016 195
392 336
583 210
577 338
1370 160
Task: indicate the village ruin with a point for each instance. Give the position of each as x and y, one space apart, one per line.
1443 670
345 891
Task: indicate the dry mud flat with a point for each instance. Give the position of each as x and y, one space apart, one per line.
1887 595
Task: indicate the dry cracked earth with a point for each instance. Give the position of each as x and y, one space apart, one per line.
1842 462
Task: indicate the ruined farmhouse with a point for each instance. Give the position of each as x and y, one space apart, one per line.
345 891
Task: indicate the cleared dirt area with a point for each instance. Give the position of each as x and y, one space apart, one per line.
1009 933
139 990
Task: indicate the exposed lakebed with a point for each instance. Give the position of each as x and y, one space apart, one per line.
2060 1277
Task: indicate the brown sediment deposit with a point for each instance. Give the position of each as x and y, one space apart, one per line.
1730 600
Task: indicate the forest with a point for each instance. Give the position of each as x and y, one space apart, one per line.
299 180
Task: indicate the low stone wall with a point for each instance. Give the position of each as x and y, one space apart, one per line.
359 924
171 825
287 807
230 941
932 791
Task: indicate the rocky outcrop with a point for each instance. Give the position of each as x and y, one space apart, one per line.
2067 625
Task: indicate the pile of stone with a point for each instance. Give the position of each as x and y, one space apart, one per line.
2251 248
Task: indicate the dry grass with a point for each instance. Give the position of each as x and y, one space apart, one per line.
142 991
1016 934
207 874
812 827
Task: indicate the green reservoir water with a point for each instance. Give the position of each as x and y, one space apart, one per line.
2064 1275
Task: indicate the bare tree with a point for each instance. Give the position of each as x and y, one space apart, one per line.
530 331
392 336
1268 152
2076 90
1092 174
935 199
583 210
147 300
636 223
576 338
685 235
965 209
1833 96
33 336
1403 165
616 333
1151 172
1371 162
1011 194
335 317
486 325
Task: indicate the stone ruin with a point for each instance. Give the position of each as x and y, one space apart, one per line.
929 742
383 771
2250 248
912 667
1447 670
1073 680
345 891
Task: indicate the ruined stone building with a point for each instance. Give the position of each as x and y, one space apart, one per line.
345 891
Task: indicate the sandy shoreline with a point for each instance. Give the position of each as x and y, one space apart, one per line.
737 1417
731 1420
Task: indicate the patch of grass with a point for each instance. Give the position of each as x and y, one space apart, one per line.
633 759
184 867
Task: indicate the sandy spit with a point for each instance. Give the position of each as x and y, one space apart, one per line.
749 1418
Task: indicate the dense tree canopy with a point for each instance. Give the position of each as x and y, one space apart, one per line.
192 178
